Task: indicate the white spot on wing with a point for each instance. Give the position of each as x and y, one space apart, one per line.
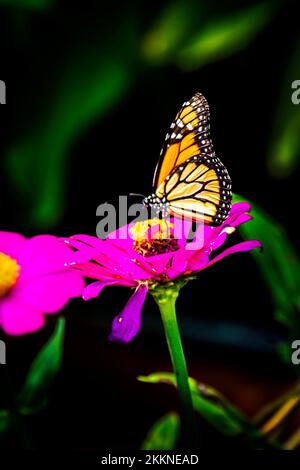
179 123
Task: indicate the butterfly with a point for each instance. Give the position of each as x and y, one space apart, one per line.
190 181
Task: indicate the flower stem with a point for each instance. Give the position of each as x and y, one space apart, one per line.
166 302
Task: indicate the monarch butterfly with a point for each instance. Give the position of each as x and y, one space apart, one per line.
189 180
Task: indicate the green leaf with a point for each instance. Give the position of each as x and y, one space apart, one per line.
90 79
284 147
164 433
279 264
169 30
42 372
27 4
5 421
211 405
224 36
191 34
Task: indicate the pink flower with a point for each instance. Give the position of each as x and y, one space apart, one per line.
142 263
33 281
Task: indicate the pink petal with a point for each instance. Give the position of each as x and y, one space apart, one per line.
127 324
243 246
179 263
222 236
140 267
241 219
17 318
111 255
11 243
123 237
218 241
81 256
43 254
218 235
94 271
159 262
94 289
50 293
198 262
239 208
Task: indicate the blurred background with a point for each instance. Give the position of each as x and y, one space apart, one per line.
91 91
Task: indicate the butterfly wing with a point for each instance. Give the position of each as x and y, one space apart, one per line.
188 137
189 177
199 190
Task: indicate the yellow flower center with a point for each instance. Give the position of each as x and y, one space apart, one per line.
9 273
142 230
153 237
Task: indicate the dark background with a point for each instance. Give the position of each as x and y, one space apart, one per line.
229 331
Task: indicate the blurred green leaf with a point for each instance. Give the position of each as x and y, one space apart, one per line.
164 433
168 32
224 36
5 421
211 405
190 34
279 264
284 147
28 4
91 81
42 157
42 372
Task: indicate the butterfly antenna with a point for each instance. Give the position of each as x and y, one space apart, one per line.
137 194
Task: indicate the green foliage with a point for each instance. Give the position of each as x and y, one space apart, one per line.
91 77
280 267
279 264
191 35
33 395
224 36
211 405
164 433
169 31
5 421
43 154
27 4
284 148
42 372
85 88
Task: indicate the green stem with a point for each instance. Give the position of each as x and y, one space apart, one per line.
166 301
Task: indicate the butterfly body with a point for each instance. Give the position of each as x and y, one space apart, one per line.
190 181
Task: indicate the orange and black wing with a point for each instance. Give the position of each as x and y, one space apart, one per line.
188 137
198 190
189 177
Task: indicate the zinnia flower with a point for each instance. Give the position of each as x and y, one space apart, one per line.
33 281
147 264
